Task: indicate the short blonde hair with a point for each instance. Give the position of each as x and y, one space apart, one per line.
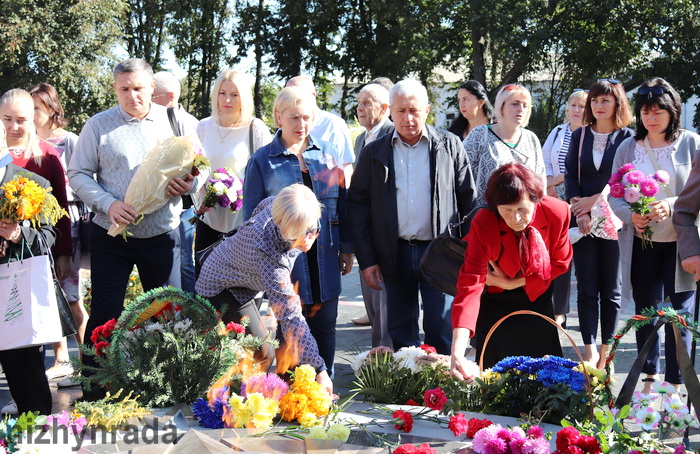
245 96
578 95
18 96
509 91
290 97
295 210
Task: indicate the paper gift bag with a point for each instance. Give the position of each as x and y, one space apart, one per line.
28 308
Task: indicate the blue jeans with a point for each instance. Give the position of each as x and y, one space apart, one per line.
402 304
653 276
187 250
321 318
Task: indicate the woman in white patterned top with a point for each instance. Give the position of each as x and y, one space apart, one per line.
588 169
651 274
554 152
491 146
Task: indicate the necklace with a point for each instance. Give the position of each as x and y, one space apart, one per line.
16 151
223 138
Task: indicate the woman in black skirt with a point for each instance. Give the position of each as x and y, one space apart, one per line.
516 247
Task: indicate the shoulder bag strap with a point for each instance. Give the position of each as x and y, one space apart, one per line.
580 149
652 156
251 145
173 122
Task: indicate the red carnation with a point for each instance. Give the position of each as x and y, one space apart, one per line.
178 308
428 349
411 402
458 424
588 444
435 399
403 420
474 425
426 449
100 348
566 438
231 326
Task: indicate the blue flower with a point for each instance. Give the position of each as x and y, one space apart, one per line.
208 417
511 362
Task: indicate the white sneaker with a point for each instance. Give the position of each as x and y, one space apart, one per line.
67 382
59 370
10 408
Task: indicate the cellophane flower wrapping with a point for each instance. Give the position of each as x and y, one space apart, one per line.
172 158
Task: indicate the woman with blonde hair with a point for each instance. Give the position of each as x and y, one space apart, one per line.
554 152
229 136
491 146
589 164
293 157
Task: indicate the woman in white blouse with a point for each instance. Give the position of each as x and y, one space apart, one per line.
554 152
229 136
654 273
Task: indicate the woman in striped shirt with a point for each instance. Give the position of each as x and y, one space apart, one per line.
554 150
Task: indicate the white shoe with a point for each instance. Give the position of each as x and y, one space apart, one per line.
67 382
59 370
10 408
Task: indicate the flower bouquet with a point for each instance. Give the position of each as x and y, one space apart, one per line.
168 346
25 200
604 223
401 377
222 189
638 190
172 158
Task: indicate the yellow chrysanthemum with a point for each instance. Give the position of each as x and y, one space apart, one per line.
262 411
24 199
308 420
338 432
241 414
304 374
292 405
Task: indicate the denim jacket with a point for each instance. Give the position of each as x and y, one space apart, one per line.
273 168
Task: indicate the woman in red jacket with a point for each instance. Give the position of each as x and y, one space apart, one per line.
516 248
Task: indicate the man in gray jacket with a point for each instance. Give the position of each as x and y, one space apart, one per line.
407 187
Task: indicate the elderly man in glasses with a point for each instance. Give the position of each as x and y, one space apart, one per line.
407 187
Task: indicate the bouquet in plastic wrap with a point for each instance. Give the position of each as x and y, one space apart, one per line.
172 158
223 189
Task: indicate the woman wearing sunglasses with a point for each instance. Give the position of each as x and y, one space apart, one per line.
491 146
588 168
294 156
258 258
652 274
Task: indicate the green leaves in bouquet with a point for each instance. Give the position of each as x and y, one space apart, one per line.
174 355
381 381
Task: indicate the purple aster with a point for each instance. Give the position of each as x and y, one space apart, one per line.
662 176
224 201
615 178
648 187
625 168
631 194
495 446
617 190
633 177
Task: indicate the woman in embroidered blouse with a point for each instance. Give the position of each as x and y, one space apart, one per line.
260 257
651 274
588 168
474 109
490 146
554 152
49 122
516 247
229 136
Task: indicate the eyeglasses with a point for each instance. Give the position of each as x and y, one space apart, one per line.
611 81
576 90
314 232
656 90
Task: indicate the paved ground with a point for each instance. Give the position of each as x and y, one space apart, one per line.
353 339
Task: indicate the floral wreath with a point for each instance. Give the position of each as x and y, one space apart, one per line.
636 322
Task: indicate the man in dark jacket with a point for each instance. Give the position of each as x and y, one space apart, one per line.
407 187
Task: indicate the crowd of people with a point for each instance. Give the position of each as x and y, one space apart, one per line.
311 201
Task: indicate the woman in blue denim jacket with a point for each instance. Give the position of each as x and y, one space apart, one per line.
294 156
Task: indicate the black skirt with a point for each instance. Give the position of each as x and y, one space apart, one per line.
520 335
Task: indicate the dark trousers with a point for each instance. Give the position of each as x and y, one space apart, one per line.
653 278
235 312
26 378
597 264
321 318
157 260
561 293
205 237
187 250
402 304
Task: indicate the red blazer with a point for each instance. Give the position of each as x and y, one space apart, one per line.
490 239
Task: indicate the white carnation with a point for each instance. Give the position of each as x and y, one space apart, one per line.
219 188
406 358
237 184
232 194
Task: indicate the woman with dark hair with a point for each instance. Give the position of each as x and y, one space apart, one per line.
654 273
516 248
474 107
588 169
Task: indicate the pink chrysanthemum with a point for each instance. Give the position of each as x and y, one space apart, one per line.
633 177
495 446
625 168
648 187
535 432
662 176
632 194
484 435
617 190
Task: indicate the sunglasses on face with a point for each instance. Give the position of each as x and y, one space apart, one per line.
656 90
314 232
610 81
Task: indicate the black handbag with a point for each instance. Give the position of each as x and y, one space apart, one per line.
444 255
65 314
